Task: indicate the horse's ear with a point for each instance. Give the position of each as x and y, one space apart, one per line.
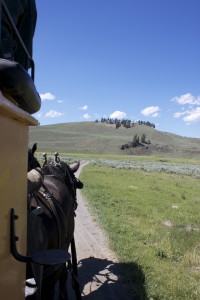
75 167
34 148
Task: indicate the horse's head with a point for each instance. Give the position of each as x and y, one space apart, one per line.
69 171
62 171
32 161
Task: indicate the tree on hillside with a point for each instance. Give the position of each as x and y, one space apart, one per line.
143 138
136 142
125 122
136 139
146 123
117 125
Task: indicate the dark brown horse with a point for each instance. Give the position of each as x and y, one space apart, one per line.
51 222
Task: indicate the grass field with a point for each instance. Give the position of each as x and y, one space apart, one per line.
100 138
147 163
153 222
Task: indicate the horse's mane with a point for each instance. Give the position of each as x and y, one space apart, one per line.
58 170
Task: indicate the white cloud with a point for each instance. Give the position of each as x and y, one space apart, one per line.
152 111
86 116
193 116
155 115
61 101
47 96
85 107
118 115
187 99
180 114
53 114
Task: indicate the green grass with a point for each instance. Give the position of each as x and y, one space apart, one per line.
142 158
135 207
115 158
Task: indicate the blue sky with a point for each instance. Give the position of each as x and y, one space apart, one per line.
132 59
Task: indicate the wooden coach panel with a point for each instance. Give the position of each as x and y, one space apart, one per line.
14 124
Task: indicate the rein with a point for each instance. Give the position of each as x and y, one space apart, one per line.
45 198
56 210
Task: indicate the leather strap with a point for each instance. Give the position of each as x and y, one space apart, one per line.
57 212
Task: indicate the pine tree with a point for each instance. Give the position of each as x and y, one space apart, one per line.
143 138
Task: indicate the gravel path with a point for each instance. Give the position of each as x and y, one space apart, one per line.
98 267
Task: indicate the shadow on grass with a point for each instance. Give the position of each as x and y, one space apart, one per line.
104 279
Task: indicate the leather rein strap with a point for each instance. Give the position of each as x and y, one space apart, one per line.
55 207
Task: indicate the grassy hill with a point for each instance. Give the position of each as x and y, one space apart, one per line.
101 138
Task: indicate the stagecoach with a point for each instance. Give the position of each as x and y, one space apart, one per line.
18 100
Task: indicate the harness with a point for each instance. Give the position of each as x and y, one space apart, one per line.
44 197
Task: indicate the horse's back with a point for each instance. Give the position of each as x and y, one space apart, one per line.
62 194
58 211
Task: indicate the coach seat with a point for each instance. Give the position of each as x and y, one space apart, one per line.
16 82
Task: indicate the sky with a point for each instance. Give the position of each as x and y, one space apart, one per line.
125 59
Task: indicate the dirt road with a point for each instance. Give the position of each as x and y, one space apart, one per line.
98 266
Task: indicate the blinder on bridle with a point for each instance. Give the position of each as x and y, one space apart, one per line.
32 161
